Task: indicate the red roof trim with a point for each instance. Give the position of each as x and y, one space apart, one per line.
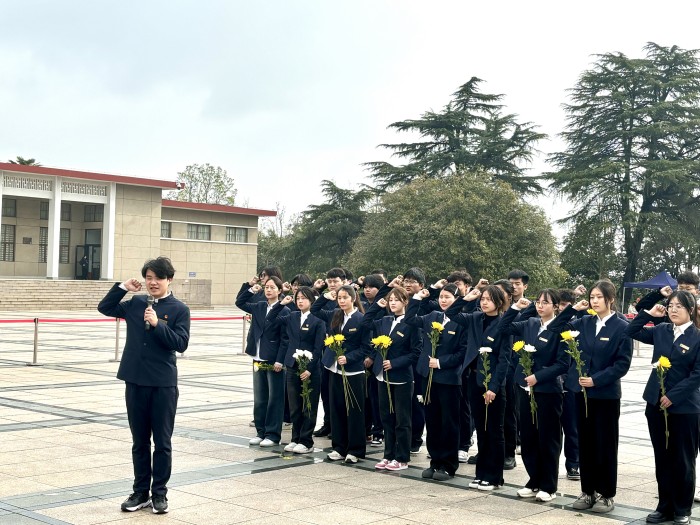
218 208
56 172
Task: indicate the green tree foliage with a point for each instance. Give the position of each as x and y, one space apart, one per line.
204 183
471 133
466 221
24 162
633 144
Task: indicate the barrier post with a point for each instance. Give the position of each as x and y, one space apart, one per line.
245 326
116 344
36 343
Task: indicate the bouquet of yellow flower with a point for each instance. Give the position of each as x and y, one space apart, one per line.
435 331
526 360
569 338
382 344
263 366
591 311
662 366
335 343
484 352
303 358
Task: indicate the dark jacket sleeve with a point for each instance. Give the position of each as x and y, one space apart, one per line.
647 303
242 299
176 338
636 329
111 304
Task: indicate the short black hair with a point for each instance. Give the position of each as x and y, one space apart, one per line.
460 275
161 266
416 274
348 274
688 277
567 295
380 271
335 272
518 274
302 280
506 285
272 271
373 281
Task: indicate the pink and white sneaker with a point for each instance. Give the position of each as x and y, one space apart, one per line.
395 465
382 464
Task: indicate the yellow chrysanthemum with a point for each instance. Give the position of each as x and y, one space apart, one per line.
664 362
383 341
591 311
437 326
328 341
566 336
519 345
339 338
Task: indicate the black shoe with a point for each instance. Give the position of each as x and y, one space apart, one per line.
441 475
376 441
428 473
473 459
322 432
573 474
657 517
681 520
136 501
416 449
509 464
160 504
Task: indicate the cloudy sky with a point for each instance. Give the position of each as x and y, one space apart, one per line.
283 94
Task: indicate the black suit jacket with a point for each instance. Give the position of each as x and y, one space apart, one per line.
270 334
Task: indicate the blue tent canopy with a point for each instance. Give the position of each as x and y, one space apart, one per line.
658 281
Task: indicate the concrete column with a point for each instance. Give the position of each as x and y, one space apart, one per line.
108 228
53 248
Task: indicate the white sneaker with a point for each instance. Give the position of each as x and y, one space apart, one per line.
526 492
474 484
290 447
462 456
267 443
485 485
350 459
335 456
517 450
545 496
255 441
697 496
301 449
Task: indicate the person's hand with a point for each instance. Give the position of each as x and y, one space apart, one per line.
489 397
483 283
319 284
423 294
579 290
287 299
277 367
361 281
286 287
368 362
342 360
581 305
665 402
666 291
387 365
382 303
586 382
329 295
305 375
256 288
440 284
150 316
658 310
531 380
396 281
473 294
523 303
433 363
254 280
133 285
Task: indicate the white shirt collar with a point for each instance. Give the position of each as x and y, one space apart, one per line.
680 330
304 316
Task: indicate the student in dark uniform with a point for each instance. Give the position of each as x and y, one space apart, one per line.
304 332
347 419
441 416
607 353
679 342
149 369
540 433
265 347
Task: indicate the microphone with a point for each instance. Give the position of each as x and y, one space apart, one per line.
149 302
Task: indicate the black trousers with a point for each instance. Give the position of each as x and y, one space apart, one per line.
397 425
599 436
541 440
511 418
325 396
303 420
373 418
675 465
466 422
347 427
489 433
417 409
151 411
442 424
570 427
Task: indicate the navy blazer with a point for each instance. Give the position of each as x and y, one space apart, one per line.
683 378
450 350
356 338
308 336
269 333
500 344
550 359
406 345
149 355
607 356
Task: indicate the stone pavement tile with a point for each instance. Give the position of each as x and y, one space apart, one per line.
559 516
17 519
75 478
453 516
223 489
379 481
89 513
220 513
335 514
327 471
279 520
392 503
278 501
278 479
232 453
507 508
12 486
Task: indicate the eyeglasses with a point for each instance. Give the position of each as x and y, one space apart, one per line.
410 282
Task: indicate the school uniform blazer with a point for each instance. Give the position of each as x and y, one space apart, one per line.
683 378
356 339
500 345
550 359
406 345
450 350
308 336
269 333
149 355
607 356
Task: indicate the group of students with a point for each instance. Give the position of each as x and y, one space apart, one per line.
450 358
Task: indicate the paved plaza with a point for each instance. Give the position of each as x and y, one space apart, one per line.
65 455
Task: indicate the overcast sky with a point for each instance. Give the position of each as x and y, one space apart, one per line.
283 94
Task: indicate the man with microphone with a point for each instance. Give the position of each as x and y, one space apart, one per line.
157 326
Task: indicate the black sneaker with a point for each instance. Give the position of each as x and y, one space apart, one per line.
160 504
136 501
472 460
416 449
573 474
376 441
322 432
509 464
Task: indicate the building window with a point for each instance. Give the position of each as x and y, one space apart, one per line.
64 246
43 243
94 212
65 211
7 242
44 210
9 207
236 234
201 232
166 230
